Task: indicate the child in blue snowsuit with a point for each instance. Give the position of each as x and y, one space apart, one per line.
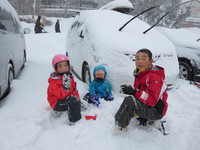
99 87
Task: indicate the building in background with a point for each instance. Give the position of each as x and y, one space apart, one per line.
55 8
26 7
192 7
52 8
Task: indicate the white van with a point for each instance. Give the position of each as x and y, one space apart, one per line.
12 46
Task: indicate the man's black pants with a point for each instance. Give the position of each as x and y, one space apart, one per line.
131 106
72 105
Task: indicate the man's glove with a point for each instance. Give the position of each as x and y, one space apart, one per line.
66 82
95 100
110 98
128 89
143 121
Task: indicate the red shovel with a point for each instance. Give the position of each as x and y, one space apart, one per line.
88 117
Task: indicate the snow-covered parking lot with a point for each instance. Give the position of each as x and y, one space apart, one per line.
26 123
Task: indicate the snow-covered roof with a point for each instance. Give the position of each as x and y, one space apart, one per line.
118 4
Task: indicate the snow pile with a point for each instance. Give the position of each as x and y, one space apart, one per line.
116 4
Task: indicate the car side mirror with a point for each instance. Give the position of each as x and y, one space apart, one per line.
27 30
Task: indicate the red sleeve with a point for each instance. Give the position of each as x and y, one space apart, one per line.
150 94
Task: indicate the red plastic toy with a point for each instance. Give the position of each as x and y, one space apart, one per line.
88 117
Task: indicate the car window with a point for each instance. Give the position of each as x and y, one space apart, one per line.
75 26
2 27
6 21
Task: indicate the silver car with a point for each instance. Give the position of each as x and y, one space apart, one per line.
13 47
187 44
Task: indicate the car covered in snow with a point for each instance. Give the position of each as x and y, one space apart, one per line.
187 44
13 47
96 38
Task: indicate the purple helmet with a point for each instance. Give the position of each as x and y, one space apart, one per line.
58 58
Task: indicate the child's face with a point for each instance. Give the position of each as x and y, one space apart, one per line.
100 74
142 60
62 67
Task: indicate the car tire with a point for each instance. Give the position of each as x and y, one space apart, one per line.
86 74
184 71
10 77
24 61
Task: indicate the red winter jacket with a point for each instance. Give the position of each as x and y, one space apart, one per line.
56 91
150 86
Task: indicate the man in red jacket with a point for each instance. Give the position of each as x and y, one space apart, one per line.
62 94
148 98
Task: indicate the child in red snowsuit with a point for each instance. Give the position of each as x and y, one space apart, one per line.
62 94
148 97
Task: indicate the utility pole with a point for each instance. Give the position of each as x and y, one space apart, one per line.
34 5
79 4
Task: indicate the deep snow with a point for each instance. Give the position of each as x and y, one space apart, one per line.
26 123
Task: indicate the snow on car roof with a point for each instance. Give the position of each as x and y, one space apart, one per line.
116 4
185 41
182 36
103 25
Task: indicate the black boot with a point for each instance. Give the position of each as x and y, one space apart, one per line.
74 109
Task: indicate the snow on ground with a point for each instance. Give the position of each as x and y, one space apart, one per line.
26 123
